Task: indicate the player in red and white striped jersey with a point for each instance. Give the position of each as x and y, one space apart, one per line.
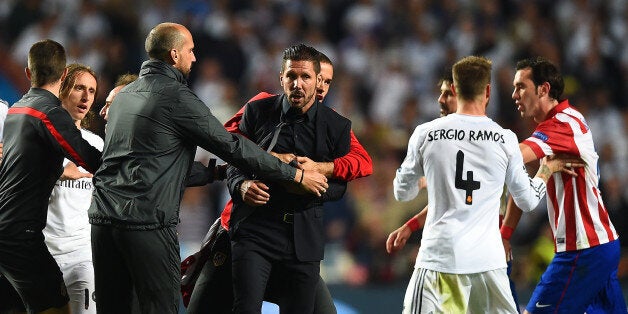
583 274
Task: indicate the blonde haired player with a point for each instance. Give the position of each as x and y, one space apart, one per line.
67 228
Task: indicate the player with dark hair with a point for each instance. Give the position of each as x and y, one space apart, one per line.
212 292
583 273
283 236
38 135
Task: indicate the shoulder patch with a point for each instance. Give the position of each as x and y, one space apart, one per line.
540 135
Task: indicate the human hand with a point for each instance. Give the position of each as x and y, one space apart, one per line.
307 164
397 239
561 162
326 168
72 172
312 181
254 193
286 158
507 249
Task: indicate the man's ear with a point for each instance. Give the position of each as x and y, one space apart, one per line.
544 89
280 79
174 56
65 73
452 88
28 73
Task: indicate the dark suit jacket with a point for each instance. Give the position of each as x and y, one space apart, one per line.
332 141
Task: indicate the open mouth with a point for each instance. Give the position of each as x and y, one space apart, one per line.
82 108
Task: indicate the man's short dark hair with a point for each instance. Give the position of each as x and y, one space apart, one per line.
46 62
544 71
161 39
446 76
302 52
322 58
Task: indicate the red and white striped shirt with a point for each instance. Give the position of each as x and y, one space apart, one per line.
576 212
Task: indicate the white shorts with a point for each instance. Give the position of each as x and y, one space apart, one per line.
435 292
79 280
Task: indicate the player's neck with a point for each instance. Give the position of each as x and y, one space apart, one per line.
546 108
471 108
53 88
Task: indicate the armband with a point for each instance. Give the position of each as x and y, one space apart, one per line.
413 224
506 232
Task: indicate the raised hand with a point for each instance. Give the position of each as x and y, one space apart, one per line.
72 172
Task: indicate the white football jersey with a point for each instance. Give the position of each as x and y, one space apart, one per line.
466 160
4 108
67 228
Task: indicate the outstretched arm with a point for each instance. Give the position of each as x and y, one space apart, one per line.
398 238
355 164
548 166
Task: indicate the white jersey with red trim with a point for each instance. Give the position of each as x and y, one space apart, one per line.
67 228
576 212
466 160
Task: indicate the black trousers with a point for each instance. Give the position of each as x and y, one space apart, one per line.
264 247
213 292
128 262
29 270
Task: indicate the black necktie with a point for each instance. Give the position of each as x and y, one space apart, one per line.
287 119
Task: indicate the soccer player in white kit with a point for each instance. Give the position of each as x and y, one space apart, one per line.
67 231
466 158
4 108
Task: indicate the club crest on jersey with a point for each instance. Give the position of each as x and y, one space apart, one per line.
219 258
540 135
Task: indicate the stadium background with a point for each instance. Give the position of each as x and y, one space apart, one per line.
388 56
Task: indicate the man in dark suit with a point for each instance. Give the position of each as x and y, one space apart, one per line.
276 229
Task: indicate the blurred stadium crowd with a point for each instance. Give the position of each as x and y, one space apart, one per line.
388 57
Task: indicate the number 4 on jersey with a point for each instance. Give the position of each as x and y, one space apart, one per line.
468 185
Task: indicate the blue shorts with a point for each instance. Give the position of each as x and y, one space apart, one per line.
512 285
579 281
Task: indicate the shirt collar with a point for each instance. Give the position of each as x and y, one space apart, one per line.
558 108
153 66
309 115
45 93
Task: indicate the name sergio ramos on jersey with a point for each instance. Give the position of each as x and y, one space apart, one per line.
461 135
